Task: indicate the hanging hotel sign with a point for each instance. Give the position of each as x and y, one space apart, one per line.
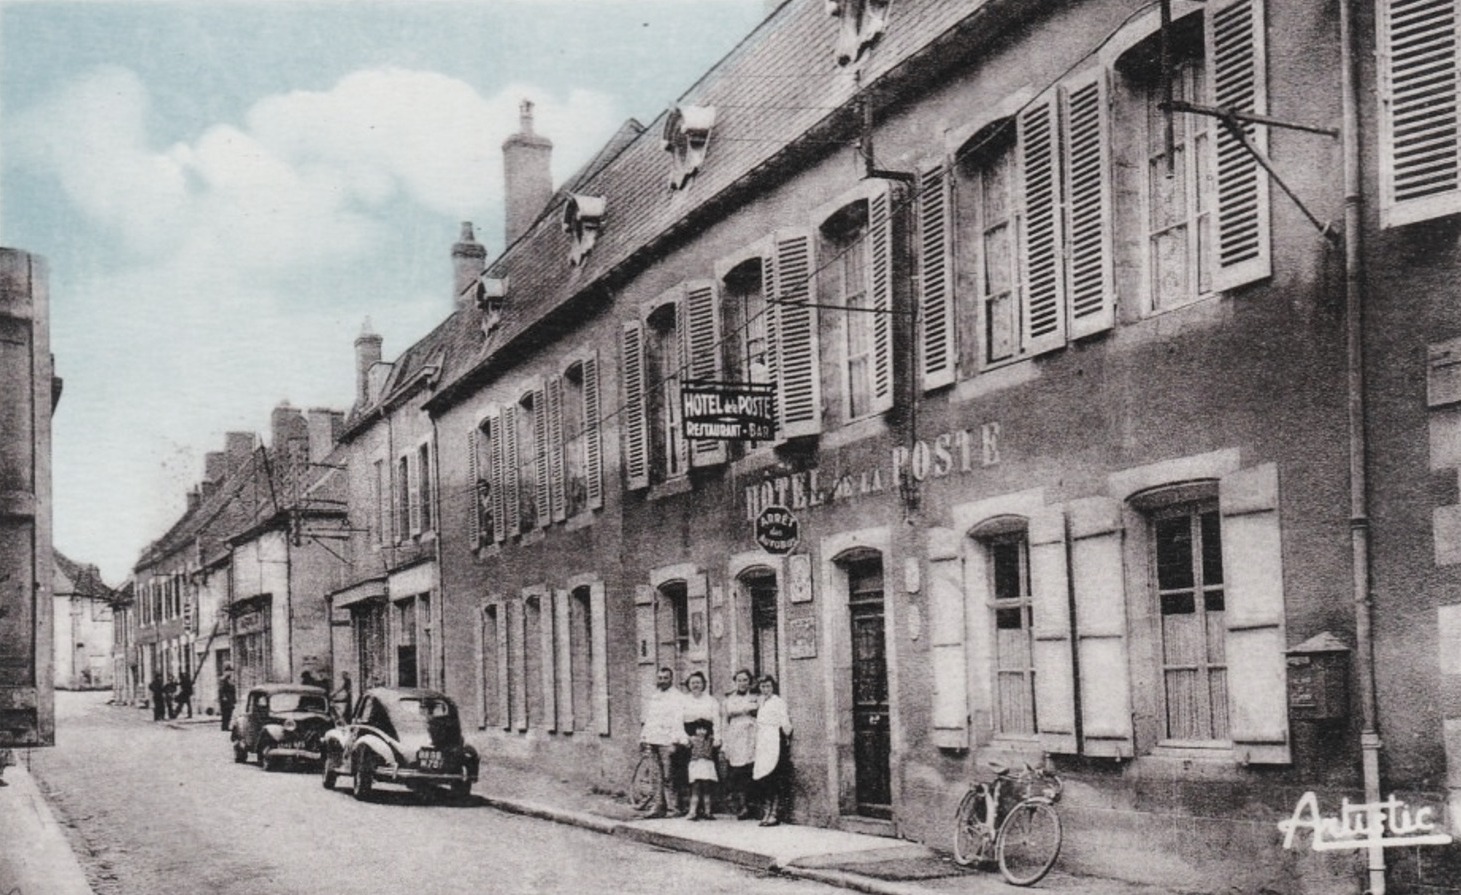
729 411
777 530
1387 824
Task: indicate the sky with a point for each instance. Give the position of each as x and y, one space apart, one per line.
224 191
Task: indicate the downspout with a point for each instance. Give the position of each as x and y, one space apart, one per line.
1359 521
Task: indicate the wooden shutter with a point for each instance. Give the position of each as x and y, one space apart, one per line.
563 658
593 442
1098 578
947 633
1254 615
1420 124
1236 59
520 664
599 619
797 358
547 616
1050 605
542 488
504 660
701 331
497 470
647 650
1090 284
557 486
511 503
636 416
474 494
413 490
1041 239
936 288
880 292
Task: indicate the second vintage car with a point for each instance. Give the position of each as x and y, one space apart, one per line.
408 736
281 722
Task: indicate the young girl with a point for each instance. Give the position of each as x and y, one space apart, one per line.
702 771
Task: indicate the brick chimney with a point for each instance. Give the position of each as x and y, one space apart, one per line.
238 447
367 355
324 430
529 181
286 424
468 260
215 467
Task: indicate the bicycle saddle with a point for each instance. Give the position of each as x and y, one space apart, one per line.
998 767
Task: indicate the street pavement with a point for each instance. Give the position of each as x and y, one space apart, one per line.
161 809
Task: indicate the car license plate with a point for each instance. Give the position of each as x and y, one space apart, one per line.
429 759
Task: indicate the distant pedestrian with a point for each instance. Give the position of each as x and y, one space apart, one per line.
773 759
184 697
227 698
170 695
342 698
159 706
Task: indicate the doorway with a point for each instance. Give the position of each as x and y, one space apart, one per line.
760 590
871 730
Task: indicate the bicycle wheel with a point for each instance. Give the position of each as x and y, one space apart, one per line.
972 833
1029 842
644 783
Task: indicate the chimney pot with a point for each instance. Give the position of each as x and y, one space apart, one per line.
469 260
367 355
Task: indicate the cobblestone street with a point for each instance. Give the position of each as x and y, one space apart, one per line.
155 810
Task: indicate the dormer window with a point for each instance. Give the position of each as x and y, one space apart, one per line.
583 216
491 299
863 22
687 133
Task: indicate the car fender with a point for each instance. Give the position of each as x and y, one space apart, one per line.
374 744
274 732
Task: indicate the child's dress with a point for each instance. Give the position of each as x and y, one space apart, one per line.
702 759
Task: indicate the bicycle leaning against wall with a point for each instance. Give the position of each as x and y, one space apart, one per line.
1011 821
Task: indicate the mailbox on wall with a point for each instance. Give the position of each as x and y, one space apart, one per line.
1319 679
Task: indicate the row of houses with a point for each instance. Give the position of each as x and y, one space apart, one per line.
1116 424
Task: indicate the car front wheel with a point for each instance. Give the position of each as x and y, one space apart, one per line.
266 755
364 776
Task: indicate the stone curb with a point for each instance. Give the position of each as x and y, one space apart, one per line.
840 878
36 856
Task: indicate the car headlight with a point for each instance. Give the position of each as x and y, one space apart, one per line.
289 725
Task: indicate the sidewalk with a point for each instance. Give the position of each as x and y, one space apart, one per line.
35 856
849 860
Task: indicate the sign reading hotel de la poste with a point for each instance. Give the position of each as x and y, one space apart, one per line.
729 411
950 453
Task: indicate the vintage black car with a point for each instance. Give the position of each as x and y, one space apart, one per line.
401 735
281 722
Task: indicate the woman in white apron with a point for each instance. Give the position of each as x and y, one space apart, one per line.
773 731
740 743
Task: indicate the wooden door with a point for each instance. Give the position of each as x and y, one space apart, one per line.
871 731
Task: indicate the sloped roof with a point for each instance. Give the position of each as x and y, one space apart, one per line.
778 90
73 578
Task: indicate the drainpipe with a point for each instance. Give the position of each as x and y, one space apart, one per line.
1359 522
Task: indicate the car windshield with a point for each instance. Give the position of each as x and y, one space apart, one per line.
298 702
435 715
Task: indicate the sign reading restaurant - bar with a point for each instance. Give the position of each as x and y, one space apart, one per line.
729 411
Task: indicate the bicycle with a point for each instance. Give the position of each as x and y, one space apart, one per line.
1024 837
646 781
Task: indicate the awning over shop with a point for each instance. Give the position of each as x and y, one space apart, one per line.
359 592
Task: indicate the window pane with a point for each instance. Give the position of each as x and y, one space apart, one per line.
1212 549
1174 554
1169 266
1183 711
1004 559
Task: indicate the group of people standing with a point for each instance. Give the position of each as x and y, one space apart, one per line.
694 735
170 698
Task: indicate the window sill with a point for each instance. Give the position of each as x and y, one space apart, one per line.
995 379
669 488
855 431
579 520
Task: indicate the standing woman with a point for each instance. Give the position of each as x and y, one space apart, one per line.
701 708
773 761
740 743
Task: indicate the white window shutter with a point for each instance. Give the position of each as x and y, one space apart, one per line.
1420 122
796 358
520 664
1242 250
702 351
593 442
948 636
542 488
474 473
1254 615
497 479
1090 282
880 290
563 658
936 279
636 417
1050 605
413 489
504 657
599 619
512 504
1098 576
557 486
547 615
1041 239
